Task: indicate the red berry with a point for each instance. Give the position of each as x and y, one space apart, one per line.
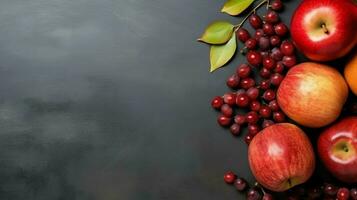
273 105
233 81
240 184
251 43
242 34
223 120
255 21
229 98
243 70
330 190
253 129
235 129
252 117
253 194
239 119
279 68
275 40
254 58
264 43
272 17
258 34
276 5
269 95
217 102
353 193
248 138
276 54
227 110
289 61
287 48
229 177
343 194
265 84
267 123
279 116
281 29
247 83
264 73
276 79
268 196
265 111
253 93
268 29
255 105
242 100
269 63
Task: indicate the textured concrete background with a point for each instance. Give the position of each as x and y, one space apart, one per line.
110 100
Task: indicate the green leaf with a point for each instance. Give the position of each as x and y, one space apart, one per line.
217 33
235 7
221 54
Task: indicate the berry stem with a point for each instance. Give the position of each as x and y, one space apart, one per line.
236 27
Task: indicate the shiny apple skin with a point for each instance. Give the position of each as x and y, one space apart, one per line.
340 17
281 153
312 94
343 168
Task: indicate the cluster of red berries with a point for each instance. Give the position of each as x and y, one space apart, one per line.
270 54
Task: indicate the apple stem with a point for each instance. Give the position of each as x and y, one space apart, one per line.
323 26
236 27
256 184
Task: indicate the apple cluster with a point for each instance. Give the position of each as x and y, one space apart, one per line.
310 94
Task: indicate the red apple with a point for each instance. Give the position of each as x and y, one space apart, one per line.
325 29
312 94
281 156
337 147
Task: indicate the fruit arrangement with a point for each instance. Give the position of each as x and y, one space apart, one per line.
297 115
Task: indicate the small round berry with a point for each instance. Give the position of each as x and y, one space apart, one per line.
217 102
253 194
330 190
255 105
265 84
279 116
254 58
252 117
287 48
264 73
277 5
343 194
229 98
235 129
251 43
268 29
248 138
233 81
255 21
226 110
247 83
253 129
223 120
240 184
258 34
289 61
272 17
239 119
243 70
265 111
276 79
353 193
269 95
242 34
279 68
264 43
276 54
229 177
242 100
269 63
253 93
273 105
275 40
281 29
267 123
268 196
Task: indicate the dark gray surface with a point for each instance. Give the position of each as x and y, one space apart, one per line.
109 100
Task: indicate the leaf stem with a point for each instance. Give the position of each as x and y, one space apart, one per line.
236 27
